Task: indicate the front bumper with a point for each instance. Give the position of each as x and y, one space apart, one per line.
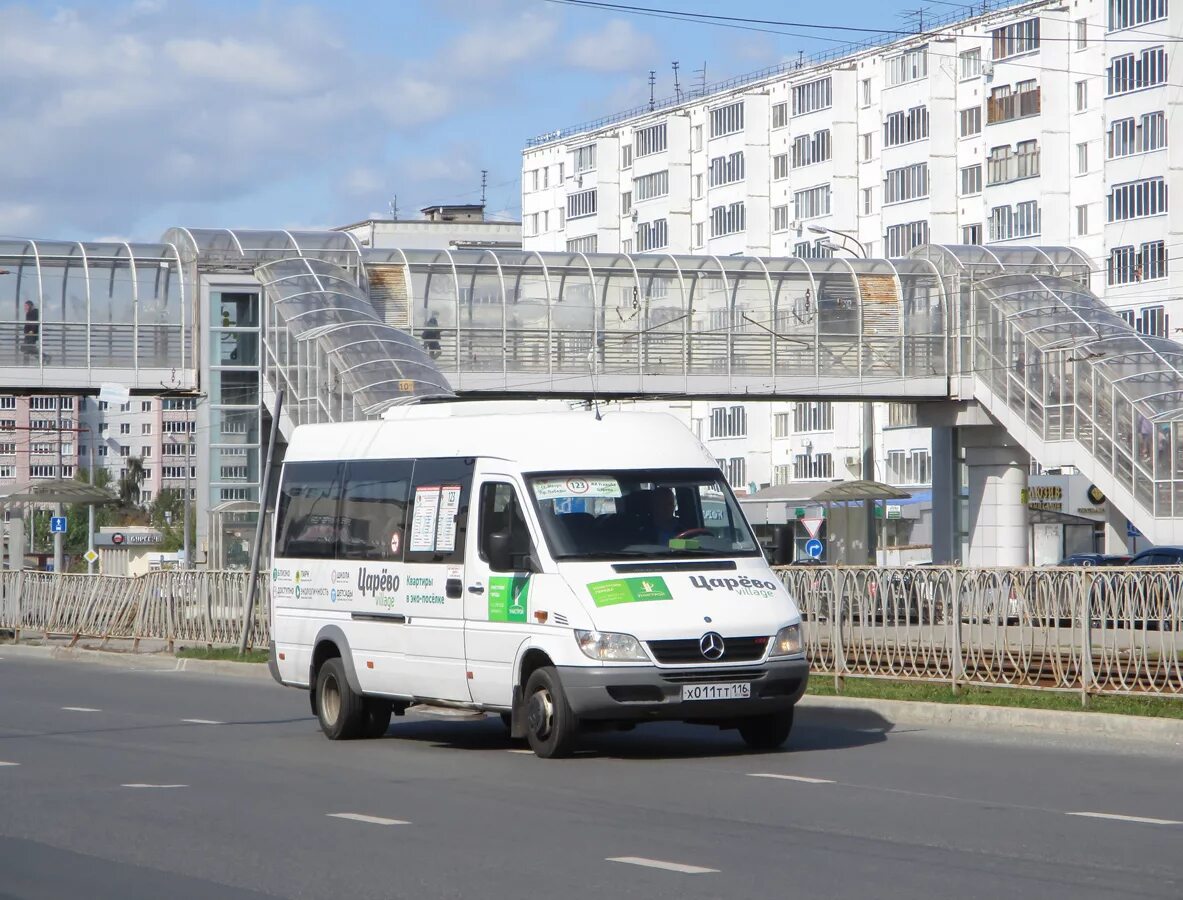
645 693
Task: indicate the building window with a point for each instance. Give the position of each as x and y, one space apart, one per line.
1007 223
780 218
1082 220
901 239
736 471
866 92
904 184
780 167
1082 34
901 415
7 471
1082 96
1150 320
730 219
41 404
124 450
626 156
42 471
782 474
696 137
587 244
649 186
812 96
584 158
970 121
1015 38
818 467
726 169
146 451
814 416
146 428
174 404
8 402
1134 71
1131 13
729 422
1142 135
810 149
727 119
697 187
1131 265
1004 164
650 140
905 127
909 466
652 235
811 203
912 65
1082 158
971 180
125 427
782 425
867 198
868 141
780 115
1006 103
626 203
819 249
581 205
7 424
698 232
146 406
970 63
1137 200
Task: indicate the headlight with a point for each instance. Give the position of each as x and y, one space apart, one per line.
608 647
788 641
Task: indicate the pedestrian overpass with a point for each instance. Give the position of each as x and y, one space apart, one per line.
347 331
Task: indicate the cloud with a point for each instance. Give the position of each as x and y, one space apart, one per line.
617 47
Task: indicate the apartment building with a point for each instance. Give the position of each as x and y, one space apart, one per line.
1037 123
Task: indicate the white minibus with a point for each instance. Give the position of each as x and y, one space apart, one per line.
565 569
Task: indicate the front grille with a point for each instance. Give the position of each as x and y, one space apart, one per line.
735 649
701 676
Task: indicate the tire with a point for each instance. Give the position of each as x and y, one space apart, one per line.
378 713
767 732
551 727
341 712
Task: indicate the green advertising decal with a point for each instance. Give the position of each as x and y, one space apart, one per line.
508 596
628 590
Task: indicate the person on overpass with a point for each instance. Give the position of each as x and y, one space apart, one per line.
32 333
431 337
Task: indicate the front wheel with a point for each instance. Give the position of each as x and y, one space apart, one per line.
767 732
551 726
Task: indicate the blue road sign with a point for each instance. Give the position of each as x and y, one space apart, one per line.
1130 530
57 524
813 548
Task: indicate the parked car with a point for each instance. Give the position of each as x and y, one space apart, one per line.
1149 602
1095 559
1158 556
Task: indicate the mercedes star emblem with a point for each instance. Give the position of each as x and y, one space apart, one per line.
711 646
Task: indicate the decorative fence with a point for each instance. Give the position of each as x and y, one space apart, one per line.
1092 630
197 607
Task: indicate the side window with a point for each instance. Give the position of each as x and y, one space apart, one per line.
436 526
307 510
501 513
374 505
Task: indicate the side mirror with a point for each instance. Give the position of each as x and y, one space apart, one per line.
500 551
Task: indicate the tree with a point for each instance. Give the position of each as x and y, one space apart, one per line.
129 483
167 515
78 518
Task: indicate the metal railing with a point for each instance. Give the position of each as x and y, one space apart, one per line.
1090 630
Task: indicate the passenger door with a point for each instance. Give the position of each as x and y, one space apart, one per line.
499 568
432 579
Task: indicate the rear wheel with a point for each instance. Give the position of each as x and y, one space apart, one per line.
767 732
341 712
378 713
551 727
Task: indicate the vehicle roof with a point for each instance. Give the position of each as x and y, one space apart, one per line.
535 437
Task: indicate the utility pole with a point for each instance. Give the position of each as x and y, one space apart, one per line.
57 507
652 84
484 184
90 512
188 493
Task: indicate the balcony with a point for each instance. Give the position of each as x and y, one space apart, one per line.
1012 168
1012 106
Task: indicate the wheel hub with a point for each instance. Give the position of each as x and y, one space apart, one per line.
540 714
330 701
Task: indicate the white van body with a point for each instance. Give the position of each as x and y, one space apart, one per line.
447 553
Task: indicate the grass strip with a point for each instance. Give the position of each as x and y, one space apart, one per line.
225 654
878 689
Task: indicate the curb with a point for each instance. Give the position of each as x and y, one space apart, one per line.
159 662
867 713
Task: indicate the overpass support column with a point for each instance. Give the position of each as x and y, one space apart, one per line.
997 512
946 496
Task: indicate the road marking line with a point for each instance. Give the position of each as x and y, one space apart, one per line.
1143 819
80 709
3 763
202 722
660 864
801 778
154 785
370 820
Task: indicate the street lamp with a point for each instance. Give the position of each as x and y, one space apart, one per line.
821 229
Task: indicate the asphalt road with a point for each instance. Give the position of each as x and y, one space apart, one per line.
110 793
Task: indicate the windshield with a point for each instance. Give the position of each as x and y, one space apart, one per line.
653 513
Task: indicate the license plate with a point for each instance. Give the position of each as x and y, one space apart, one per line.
739 690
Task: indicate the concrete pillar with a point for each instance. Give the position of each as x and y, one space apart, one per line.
946 496
1116 541
997 512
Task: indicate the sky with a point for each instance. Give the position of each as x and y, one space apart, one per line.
120 118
